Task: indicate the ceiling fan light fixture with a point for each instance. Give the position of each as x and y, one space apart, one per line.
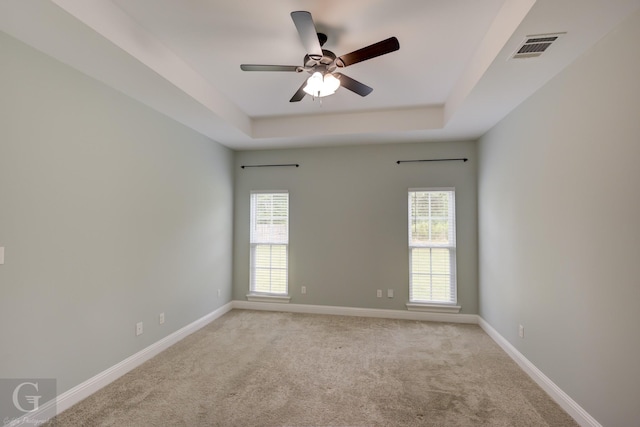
319 86
322 63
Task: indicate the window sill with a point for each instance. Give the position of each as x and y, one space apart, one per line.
268 298
433 308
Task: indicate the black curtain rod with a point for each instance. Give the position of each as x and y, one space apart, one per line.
269 166
433 160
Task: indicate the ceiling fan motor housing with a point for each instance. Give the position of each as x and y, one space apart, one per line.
328 58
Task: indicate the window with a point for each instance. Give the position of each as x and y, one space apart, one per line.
269 242
432 246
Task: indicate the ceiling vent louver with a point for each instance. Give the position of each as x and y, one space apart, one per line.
534 46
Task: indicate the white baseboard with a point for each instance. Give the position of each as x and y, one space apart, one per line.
95 383
87 388
581 416
358 312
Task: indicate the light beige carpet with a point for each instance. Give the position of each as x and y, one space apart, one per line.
252 368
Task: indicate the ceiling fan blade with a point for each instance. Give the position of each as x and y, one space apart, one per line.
308 34
353 85
299 94
257 67
377 49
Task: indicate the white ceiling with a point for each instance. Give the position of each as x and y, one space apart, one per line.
451 79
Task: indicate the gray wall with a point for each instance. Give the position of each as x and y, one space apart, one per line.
559 233
110 214
348 226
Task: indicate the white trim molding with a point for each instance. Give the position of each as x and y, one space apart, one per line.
433 308
356 311
268 298
92 385
87 388
581 416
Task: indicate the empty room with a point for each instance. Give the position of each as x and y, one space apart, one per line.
319 213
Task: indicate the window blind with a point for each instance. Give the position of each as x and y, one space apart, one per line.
432 246
269 238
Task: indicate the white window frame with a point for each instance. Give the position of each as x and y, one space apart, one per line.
255 241
435 304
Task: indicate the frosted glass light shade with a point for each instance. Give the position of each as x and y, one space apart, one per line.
319 85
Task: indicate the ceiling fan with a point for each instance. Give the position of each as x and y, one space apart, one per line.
322 64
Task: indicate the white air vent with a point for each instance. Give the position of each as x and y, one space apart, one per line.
534 46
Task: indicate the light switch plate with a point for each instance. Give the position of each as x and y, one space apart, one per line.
1 255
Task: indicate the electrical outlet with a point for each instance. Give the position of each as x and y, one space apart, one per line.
161 318
303 290
379 293
389 293
1 255
521 331
138 328
219 293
